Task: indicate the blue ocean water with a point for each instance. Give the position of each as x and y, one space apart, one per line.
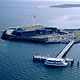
16 57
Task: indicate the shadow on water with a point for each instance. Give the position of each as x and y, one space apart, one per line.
27 41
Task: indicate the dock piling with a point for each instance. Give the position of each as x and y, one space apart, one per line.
78 64
72 62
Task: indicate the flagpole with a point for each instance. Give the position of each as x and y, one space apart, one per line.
33 23
34 18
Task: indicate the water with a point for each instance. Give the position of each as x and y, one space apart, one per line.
16 57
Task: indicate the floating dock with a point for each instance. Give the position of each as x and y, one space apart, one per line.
37 58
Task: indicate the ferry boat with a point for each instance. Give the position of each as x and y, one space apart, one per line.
55 62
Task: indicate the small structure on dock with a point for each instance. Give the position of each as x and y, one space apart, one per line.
39 58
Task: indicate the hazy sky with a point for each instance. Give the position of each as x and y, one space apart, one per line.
58 0
45 0
52 0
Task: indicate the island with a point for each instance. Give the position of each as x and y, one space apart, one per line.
65 5
41 34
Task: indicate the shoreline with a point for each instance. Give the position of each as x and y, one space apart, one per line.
72 5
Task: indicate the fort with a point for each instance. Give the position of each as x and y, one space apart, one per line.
39 34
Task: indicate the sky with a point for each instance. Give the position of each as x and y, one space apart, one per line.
53 0
59 0
44 0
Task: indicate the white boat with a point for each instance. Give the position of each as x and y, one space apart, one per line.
55 62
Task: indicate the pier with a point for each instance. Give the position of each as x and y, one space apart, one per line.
63 52
37 58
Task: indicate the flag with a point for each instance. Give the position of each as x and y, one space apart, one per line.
34 17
